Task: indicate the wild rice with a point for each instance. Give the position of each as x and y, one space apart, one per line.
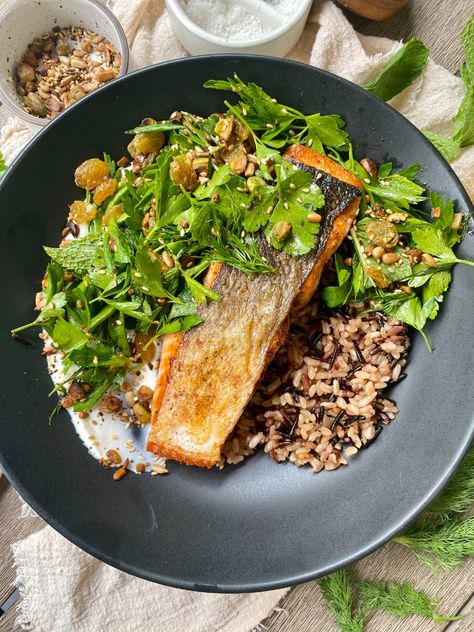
320 400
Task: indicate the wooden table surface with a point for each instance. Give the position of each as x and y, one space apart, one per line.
438 23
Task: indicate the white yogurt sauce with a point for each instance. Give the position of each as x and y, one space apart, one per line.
102 431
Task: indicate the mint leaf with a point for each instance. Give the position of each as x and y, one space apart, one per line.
447 147
467 41
79 255
463 133
3 166
404 67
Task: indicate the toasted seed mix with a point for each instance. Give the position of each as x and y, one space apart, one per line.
61 67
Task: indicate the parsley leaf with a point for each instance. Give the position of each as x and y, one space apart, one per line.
297 197
404 67
334 296
396 189
67 336
148 275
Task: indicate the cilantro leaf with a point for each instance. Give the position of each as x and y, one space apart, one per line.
404 67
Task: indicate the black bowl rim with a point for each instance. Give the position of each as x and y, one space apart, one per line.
295 579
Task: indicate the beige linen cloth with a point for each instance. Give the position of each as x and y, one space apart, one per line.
66 590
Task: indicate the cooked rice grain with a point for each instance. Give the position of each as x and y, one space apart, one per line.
321 399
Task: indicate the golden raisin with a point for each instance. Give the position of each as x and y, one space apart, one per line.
104 190
146 143
182 172
91 173
113 212
146 355
378 277
382 233
82 212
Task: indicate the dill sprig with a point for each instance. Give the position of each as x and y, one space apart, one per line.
399 600
458 495
351 601
440 538
336 590
441 547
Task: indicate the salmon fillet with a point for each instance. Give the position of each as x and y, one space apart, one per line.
208 374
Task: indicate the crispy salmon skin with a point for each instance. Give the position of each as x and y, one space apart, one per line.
208 374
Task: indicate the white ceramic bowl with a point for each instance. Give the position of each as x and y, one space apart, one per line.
26 20
278 42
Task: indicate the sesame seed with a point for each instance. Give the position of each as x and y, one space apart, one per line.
269 125
286 205
292 185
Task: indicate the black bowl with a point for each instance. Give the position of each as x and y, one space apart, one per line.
260 525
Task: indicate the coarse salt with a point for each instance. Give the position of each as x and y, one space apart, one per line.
233 20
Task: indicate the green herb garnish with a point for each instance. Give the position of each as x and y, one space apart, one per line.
337 593
3 166
402 70
463 122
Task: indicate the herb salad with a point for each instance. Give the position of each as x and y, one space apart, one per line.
197 191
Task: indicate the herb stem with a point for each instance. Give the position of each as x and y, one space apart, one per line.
105 313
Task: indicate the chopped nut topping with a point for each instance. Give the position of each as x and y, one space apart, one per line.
61 67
